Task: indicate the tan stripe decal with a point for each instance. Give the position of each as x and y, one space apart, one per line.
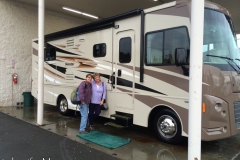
151 101
173 11
124 90
125 66
35 52
61 46
54 74
109 62
173 80
174 69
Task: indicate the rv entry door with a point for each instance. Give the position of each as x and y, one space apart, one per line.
123 58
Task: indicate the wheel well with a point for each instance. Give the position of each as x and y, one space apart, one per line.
60 95
154 112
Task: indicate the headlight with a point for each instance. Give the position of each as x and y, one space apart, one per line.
223 113
218 107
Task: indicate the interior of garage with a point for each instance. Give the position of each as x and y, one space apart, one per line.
19 27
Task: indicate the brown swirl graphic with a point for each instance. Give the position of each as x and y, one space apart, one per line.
61 46
54 74
83 63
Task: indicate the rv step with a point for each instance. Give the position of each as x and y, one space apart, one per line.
121 116
114 125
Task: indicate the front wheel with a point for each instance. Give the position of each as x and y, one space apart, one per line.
63 106
167 127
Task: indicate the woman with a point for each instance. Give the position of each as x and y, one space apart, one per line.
98 97
85 93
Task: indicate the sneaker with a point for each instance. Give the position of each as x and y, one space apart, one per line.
87 130
91 127
83 132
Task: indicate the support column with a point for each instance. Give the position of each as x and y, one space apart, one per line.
40 62
195 80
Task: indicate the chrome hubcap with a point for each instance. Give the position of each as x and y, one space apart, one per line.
167 126
63 105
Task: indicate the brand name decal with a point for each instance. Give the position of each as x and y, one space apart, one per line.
69 64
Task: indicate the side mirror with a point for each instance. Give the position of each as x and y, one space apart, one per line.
49 54
181 57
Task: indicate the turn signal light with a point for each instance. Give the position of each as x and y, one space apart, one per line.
204 107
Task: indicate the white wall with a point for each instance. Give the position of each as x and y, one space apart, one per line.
18 27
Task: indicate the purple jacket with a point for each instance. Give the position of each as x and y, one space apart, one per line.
85 92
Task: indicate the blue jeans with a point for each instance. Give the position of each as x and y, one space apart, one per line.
84 116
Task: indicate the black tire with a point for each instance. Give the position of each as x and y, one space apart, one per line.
167 127
63 106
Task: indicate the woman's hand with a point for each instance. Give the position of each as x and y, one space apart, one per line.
101 103
83 103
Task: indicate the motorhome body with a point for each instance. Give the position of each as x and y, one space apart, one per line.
135 55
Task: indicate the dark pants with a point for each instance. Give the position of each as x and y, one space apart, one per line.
94 111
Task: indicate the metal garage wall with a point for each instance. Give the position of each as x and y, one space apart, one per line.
18 27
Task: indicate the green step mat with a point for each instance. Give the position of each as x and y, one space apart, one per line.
105 140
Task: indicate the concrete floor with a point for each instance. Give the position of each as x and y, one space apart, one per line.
144 145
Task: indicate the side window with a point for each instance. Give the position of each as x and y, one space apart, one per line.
174 38
99 50
125 50
155 48
160 49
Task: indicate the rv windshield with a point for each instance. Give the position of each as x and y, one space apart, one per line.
219 44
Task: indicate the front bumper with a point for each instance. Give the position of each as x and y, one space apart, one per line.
219 121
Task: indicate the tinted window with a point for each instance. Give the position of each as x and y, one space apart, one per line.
174 38
155 48
99 50
160 46
219 40
50 54
125 50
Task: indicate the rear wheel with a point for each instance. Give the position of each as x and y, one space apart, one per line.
63 106
167 127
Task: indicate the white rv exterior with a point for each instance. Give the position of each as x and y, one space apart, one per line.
138 51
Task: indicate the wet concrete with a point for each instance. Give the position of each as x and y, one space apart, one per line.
144 145
23 141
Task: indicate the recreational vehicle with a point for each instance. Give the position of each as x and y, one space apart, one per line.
143 56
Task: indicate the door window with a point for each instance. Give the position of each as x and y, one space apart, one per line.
125 50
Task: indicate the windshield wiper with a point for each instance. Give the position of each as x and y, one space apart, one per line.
235 63
238 71
219 56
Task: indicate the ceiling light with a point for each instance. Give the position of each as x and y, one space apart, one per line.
72 10
79 12
155 0
89 15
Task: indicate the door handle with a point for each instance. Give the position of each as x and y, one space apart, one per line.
119 73
113 79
